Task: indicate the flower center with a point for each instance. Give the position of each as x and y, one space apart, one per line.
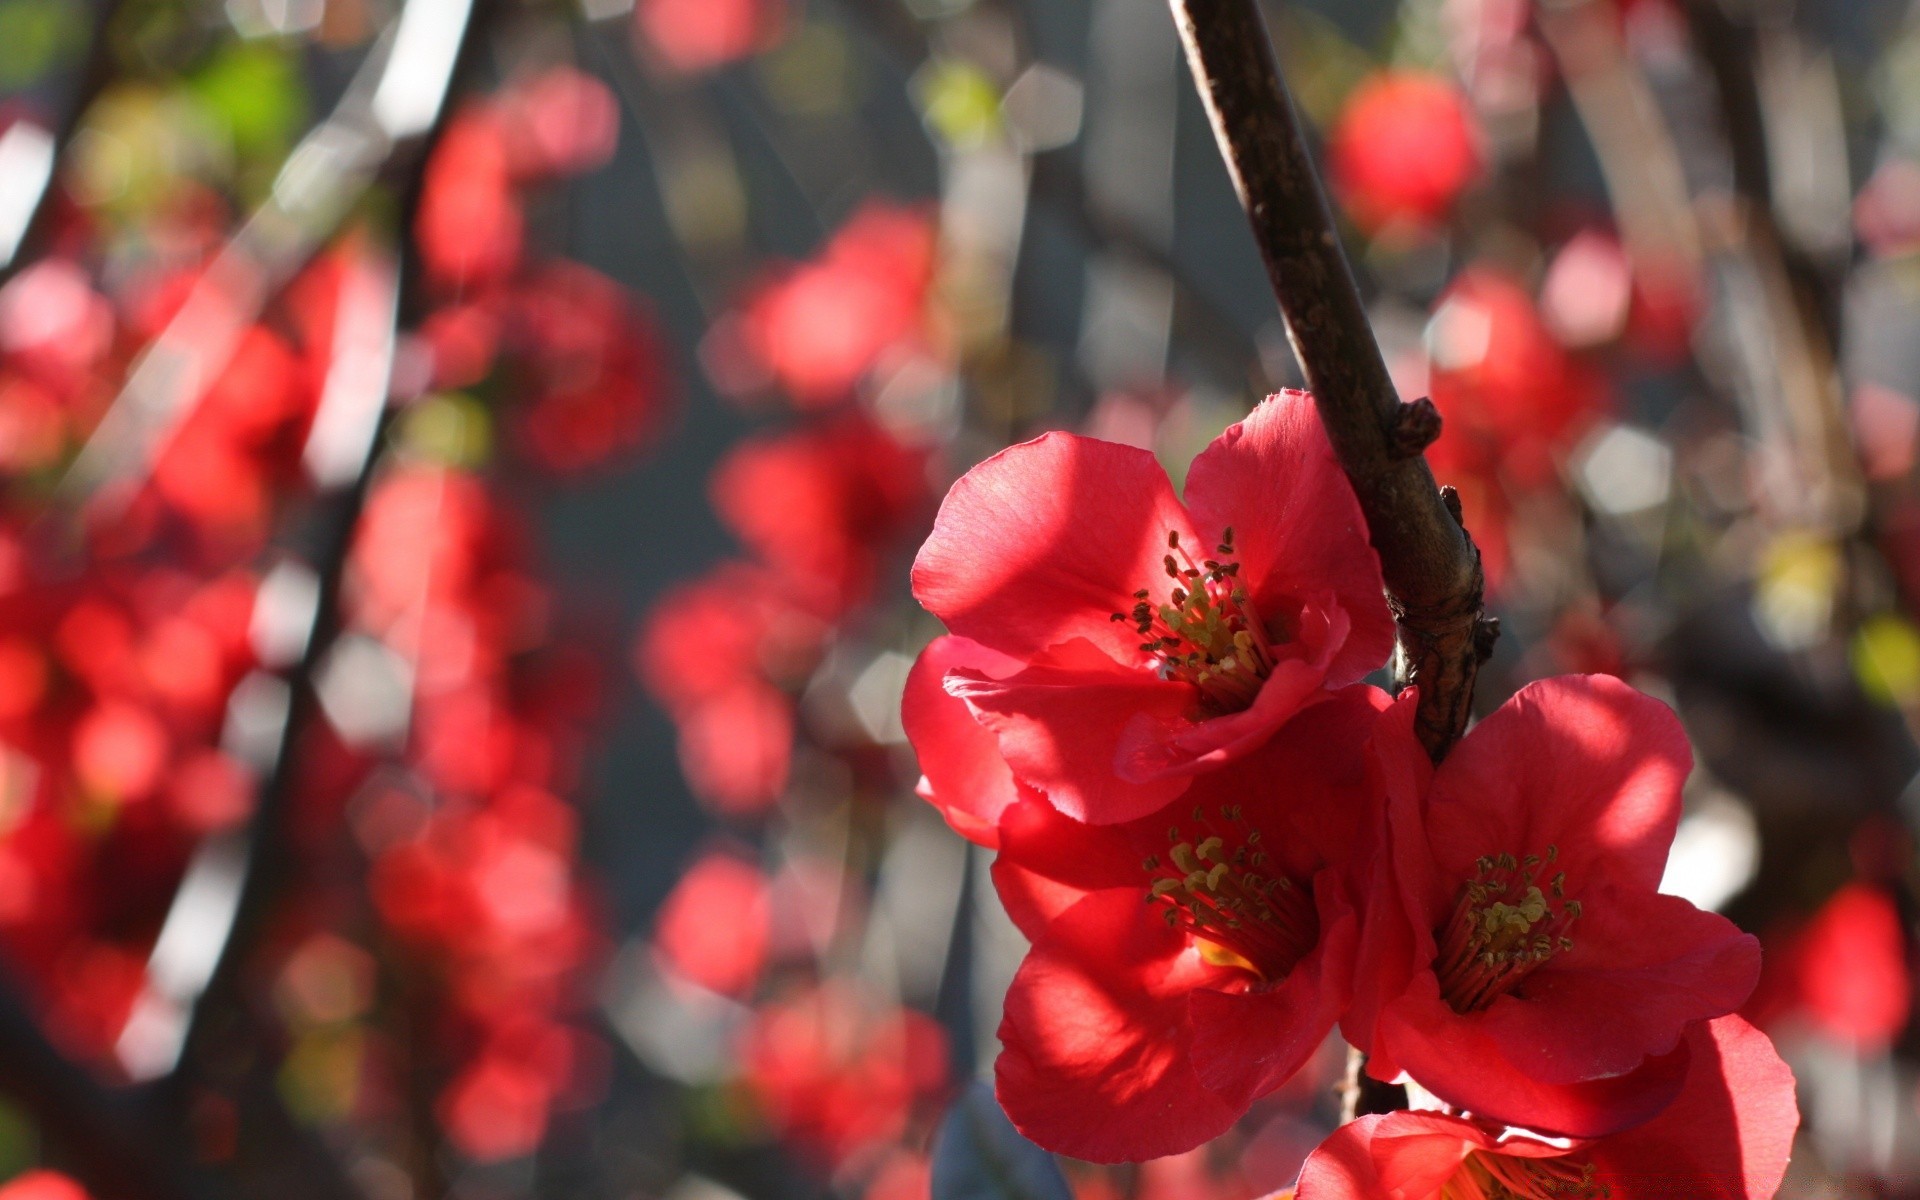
1503 927
1208 633
1222 891
1485 1176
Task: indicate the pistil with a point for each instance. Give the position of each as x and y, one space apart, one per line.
1504 926
1207 633
1224 892
1485 1176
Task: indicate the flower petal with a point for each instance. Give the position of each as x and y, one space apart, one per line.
1297 527
1389 1155
1095 1039
1460 1062
1247 1043
962 772
1048 862
1581 762
1045 540
1642 970
1061 721
1727 1136
1155 746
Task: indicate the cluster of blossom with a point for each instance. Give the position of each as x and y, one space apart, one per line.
830 1061
473 850
114 682
453 721
122 641
1223 845
580 361
816 506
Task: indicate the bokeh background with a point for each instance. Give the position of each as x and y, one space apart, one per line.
459 461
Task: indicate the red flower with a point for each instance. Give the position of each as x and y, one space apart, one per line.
1143 661
1850 968
839 1073
1521 962
1725 1137
42 1185
1402 150
1512 397
699 35
817 328
715 926
819 503
1187 963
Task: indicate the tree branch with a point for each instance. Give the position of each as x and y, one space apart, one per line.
1431 567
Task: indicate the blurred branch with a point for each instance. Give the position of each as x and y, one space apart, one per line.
1431 567
111 1145
30 155
442 52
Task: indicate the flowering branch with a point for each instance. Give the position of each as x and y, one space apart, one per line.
1429 563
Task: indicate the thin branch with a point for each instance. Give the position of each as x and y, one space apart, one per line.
1431 567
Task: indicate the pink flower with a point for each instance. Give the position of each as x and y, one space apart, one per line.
1520 961
1142 641
1725 1137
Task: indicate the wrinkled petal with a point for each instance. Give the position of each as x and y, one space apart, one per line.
962 772
1095 1038
1581 762
1297 527
1060 724
1045 540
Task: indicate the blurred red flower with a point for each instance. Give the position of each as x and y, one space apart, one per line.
1402 150
820 503
817 328
714 928
42 1185
1512 398
699 35
1850 970
839 1073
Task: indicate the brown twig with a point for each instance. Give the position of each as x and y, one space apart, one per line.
1431 567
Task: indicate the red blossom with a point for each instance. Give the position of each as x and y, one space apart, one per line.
42 1185
1726 1136
1512 397
1848 968
699 35
1144 660
1520 960
715 926
820 503
818 328
469 227
1187 963
1402 150
839 1073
